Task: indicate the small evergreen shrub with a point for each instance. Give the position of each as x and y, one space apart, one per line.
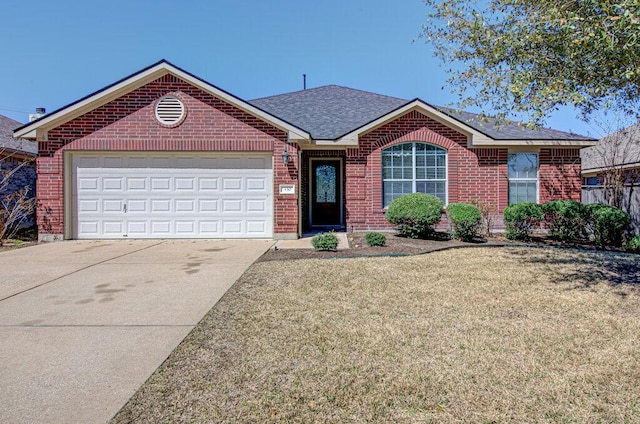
607 224
375 239
325 241
521 219
566 219
633 244
415 215
465 220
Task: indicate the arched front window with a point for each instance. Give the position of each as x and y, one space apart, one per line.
413 168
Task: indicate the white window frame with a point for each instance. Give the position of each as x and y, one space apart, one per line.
528 180
414 180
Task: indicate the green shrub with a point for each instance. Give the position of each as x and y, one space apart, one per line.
521 219
465 220
566 219
633 244
607 224
325 241
415 215
375 239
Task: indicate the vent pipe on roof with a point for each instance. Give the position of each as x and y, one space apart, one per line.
304 81
40 112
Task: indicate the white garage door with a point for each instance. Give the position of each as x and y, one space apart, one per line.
172 196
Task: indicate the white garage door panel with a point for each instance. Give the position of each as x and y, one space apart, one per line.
167 196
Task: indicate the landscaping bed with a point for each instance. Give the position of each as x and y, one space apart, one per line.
403 246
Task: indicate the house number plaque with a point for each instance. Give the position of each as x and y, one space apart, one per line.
287 189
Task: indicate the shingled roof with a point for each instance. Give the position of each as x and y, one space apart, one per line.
8 144
509 130
331 111
619 149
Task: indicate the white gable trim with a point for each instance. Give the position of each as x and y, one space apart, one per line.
537 142
74 110
473 136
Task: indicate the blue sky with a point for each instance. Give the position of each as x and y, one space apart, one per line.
55 52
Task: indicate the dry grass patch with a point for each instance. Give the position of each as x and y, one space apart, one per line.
469 335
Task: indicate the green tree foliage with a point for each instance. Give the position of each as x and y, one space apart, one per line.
532 56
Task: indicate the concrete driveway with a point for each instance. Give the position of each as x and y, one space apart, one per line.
84 323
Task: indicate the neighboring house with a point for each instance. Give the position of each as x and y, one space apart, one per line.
611 172
17 159
163 153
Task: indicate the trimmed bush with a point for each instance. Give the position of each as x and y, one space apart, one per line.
566 219
375 239
633 244
325 241
607 224
521 219
415 215
465 220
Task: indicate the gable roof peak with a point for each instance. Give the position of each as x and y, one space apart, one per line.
138 79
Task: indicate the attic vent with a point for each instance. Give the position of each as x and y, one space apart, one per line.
170 111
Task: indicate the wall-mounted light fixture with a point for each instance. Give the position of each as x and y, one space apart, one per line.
285 157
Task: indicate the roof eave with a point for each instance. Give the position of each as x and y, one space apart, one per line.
475 138
139 79
599 169
20 154
490 142
429 110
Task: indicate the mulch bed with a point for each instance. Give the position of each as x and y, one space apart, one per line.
395 246
401 246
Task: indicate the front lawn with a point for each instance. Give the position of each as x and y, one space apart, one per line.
471 335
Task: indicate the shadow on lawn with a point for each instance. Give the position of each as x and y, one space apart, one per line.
586 268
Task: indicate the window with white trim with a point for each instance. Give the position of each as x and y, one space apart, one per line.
523 177
413 168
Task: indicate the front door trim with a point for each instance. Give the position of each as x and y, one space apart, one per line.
340 181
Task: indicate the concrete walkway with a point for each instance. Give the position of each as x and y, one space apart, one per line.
304 242
84 324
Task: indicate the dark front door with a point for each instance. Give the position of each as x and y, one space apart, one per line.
326 193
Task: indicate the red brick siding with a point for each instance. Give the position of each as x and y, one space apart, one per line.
472 174
560 175
50 211
128 124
